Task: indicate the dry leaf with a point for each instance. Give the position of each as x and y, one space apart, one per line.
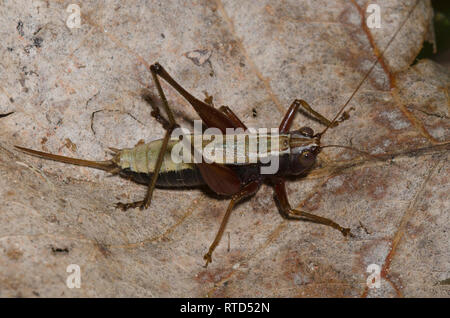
83 85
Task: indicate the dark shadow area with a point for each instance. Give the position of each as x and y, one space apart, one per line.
441 22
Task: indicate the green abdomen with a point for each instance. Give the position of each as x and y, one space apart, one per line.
138 163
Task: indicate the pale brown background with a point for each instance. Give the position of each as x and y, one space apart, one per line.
249 55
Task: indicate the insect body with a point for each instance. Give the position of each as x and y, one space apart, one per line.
153 164
138 163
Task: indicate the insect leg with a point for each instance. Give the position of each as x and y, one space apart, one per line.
208 99
131 205
293 214
247 190
296 104
324 121
171 126
156 112
151 186
232 116
211 116
286 122
162 150
226 110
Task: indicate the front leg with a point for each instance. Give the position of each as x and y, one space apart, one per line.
286 123
319 117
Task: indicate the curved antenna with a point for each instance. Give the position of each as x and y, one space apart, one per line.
370 70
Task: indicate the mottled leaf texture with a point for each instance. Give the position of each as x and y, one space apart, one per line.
77 91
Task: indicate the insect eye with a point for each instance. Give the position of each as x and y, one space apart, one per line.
306 131
307 158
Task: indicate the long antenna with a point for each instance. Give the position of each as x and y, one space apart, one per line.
370 70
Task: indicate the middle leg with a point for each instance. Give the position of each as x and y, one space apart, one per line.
246 191
289 213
